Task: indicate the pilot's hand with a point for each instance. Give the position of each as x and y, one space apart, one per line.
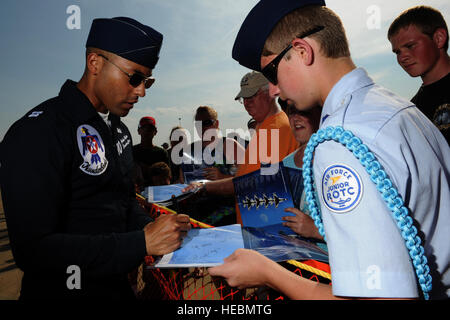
166 233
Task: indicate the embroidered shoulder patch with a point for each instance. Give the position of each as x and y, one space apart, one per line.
342 188
92 150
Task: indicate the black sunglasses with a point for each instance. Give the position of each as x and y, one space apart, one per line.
136 78
271 69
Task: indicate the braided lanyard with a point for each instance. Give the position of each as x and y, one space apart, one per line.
384 185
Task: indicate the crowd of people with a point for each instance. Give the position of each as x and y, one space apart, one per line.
81 192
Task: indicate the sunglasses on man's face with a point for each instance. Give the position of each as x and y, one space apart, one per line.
270 71
136 78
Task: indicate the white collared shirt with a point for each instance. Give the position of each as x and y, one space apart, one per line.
105 116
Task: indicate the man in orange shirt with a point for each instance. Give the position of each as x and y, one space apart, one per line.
271 124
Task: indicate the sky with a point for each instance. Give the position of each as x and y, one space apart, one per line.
43 45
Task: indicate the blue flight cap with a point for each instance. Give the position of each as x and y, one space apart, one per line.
127 38
258 25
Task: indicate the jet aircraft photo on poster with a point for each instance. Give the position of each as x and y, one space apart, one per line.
262 200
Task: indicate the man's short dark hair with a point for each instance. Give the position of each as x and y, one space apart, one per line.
425 18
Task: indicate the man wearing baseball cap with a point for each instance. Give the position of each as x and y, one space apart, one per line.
147 121
254 95
145 154
376 174
250 84
76 229
271 122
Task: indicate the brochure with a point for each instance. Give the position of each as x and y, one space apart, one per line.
209 247
280 247
163 195
192 168
262 199
204 248
295 179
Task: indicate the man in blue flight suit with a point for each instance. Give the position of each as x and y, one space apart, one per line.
77 210
301 47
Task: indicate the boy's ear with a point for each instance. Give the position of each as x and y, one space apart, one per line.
304 50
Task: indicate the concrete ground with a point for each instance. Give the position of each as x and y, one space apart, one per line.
10 275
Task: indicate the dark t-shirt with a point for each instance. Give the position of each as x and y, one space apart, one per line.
174 168
434 101
149 156
145 157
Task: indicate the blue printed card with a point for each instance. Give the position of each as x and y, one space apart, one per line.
204 247
262 199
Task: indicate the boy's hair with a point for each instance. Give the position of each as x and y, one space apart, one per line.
332 39
174 129
425 18
206 110
160 169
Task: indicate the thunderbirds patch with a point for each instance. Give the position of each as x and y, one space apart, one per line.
92 150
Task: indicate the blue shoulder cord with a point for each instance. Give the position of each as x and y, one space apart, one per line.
385 187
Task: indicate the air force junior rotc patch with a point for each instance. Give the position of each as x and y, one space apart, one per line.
92 150
342 188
